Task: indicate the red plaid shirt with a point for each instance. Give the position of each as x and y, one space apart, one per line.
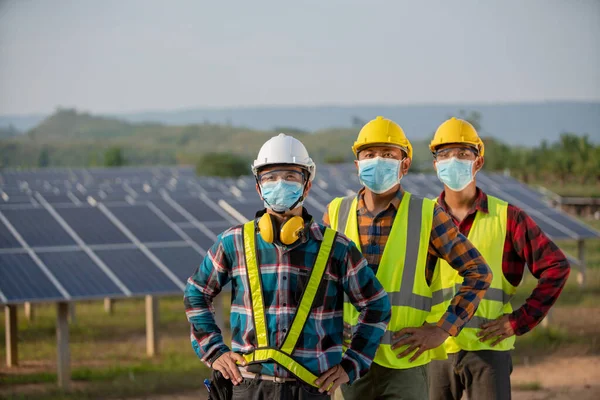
525 244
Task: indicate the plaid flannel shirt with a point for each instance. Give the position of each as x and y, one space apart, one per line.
445 242
284 273
525 243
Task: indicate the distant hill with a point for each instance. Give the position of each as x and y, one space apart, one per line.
72 138
515 123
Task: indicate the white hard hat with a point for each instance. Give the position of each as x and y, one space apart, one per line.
284 149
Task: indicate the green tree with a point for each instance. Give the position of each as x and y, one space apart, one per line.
113 157
335 159
44 158
222 164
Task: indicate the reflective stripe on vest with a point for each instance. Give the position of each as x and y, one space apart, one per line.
401 273
282 356
488 235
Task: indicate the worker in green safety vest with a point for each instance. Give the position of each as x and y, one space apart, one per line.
400 233
479 360
288 277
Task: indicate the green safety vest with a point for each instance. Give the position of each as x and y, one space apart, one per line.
487 234
401 273
283 355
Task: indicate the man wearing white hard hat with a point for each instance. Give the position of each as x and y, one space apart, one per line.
289 275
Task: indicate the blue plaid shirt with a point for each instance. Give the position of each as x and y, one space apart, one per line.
284 272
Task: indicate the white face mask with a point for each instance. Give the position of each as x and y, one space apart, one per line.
379 174
455 174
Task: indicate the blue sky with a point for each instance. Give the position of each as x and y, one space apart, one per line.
122 56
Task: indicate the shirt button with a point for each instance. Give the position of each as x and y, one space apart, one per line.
285 330
373 242
284 304
284 278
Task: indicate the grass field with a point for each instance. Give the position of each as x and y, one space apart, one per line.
108 351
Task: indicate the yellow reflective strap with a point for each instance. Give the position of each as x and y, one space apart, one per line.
265 355
308 297
258 309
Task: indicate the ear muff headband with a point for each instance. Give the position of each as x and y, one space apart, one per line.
289 233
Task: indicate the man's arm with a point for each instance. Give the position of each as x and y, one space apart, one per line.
546 262
370 299
200 290
448 243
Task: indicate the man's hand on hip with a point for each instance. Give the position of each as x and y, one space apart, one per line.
333 377
423 338
498 329
226 364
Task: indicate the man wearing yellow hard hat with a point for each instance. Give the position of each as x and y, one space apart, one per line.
402 236
479 361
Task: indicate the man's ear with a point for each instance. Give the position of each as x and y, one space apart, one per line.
307 188
434 166
478 164
405 165
356 165
258 191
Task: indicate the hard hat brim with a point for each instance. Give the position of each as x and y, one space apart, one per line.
383 144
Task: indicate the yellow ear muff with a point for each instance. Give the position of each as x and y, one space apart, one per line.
266 227
291 230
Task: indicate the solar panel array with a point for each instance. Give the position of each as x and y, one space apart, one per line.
85 234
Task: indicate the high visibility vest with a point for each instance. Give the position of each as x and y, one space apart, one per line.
487 234
401 273
264 352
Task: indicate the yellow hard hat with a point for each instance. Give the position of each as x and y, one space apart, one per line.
456 130
384 132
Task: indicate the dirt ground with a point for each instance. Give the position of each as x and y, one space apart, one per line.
568 372
554 379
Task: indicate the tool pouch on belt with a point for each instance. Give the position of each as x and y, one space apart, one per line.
220 387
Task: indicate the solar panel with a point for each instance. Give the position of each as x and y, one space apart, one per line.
199 209
79 275
22 280
182 261
137 272
169 211
247 208
92 226
7 240
201 238
58 198
38 227
144 224
176 214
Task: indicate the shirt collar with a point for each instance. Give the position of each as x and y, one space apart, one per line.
480 203
395 202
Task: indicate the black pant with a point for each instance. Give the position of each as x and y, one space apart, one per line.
483 374
256 389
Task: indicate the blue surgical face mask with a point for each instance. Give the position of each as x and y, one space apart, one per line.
281 195
379 174
454 173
